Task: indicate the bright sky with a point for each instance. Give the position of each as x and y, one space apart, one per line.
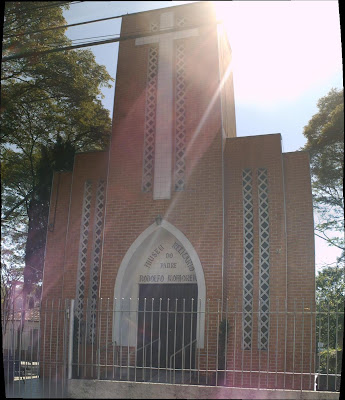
286 55
293 47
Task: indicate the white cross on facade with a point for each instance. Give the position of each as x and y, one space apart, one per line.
164 110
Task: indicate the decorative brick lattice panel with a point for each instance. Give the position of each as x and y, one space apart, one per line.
180 118
264 259
82 260
95 262
181 22
150 120
248 257
154 26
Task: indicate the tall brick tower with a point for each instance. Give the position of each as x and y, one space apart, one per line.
179 207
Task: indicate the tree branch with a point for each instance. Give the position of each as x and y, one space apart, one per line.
328 240
17 205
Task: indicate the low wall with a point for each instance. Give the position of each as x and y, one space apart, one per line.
96 389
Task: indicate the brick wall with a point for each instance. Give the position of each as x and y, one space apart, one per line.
87 166
301 261
56 235
197 211
291 259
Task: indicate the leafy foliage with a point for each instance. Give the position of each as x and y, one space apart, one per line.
325 143
330 289
50 108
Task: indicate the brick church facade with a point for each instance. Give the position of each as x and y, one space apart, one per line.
178 206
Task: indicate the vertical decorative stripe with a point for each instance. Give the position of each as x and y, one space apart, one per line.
264 260
150 120
95 261
180 118
248 257
82 259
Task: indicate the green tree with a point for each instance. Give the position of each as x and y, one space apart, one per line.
330 288
325 143
50 108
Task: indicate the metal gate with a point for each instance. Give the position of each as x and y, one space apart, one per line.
167 318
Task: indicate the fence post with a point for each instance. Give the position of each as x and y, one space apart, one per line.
70 340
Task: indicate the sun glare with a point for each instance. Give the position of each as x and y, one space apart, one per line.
277 46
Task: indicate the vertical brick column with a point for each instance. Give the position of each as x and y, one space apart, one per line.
254 154
301 268
56 235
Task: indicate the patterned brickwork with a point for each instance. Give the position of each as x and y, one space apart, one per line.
150 120
248 258
264 259
96 260
82 262
181 22
180 118
154 26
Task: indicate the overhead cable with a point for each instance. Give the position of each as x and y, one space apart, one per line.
119 39
76 24
64 26
51 5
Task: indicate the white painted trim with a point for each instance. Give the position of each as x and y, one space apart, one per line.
166 36
163 163
198 272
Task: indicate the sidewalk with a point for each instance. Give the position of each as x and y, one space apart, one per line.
35 388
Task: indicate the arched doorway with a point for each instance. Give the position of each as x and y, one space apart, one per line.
159 299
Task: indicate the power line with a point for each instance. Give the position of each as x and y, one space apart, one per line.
96 37
51 5
65 26
78 23
119 39
77 41
100 36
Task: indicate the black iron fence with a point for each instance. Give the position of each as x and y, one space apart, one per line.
171 341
